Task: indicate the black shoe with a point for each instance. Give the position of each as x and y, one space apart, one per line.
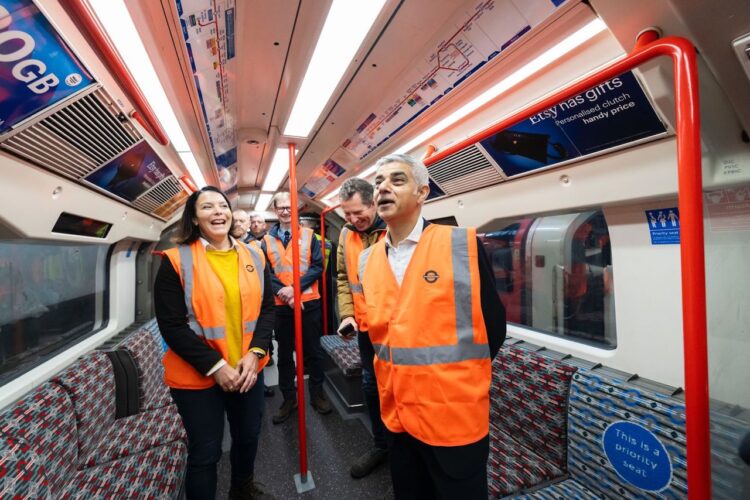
249 490
321 404
286 410
268 392
368 463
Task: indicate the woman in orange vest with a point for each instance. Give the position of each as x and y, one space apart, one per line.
215 310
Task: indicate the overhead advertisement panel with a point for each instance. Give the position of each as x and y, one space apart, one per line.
610 115
37 69
474 36
208 27
132 173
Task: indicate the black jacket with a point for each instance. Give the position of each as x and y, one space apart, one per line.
171 314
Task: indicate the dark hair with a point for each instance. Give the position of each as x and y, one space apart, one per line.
355 185
187 231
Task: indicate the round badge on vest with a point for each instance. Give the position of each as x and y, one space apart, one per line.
431 276
250 268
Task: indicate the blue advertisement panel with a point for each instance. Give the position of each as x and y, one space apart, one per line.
611 114
132 173
37 69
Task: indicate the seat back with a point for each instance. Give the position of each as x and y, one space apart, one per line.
147 354
528 419
90 384
39 446
629 440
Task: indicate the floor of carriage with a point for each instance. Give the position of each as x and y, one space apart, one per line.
334 441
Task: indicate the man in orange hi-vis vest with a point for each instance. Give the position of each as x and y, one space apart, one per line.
278 247
435 323
363 230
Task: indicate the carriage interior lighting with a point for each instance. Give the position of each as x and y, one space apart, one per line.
276 172
344 29
116 21
263 200
584 34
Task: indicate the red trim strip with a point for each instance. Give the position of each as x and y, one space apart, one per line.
690 198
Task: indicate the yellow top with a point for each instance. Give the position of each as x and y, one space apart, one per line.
226 266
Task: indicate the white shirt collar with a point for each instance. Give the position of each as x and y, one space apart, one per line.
209 246
413 236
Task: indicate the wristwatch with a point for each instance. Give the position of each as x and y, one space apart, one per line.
258 352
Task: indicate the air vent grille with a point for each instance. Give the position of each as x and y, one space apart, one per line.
77 138
159 195
464 171
457 165
476 180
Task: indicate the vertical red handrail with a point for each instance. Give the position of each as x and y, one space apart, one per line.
690 196
86 20
333 271
298 314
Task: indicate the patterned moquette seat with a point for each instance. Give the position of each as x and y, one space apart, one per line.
528 420
91 387
598 401
344 354
147 355
38 444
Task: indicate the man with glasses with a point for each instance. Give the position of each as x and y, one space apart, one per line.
277 245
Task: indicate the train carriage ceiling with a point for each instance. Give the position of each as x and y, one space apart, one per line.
234 88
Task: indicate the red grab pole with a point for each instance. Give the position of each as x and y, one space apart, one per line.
298 315
690 196
323 281
143 114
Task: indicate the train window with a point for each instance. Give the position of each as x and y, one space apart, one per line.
554 275
51 296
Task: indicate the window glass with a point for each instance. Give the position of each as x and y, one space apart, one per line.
51 295
554 275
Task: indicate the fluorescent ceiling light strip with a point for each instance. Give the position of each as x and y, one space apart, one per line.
346 26
116 20
263 200
578 38
278 169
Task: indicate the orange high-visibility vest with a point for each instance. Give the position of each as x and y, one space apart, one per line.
351 248
281 260
204 298
432 358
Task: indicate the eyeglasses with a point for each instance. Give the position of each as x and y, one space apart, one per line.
283 209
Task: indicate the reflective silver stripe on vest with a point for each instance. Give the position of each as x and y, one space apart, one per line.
272 247
363 261
259 267
304 254
382 351
186 271
465 348
462 295
353 287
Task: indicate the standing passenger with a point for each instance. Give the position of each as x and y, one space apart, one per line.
364 229
435 322
215 311
241 226
276 246
257 226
